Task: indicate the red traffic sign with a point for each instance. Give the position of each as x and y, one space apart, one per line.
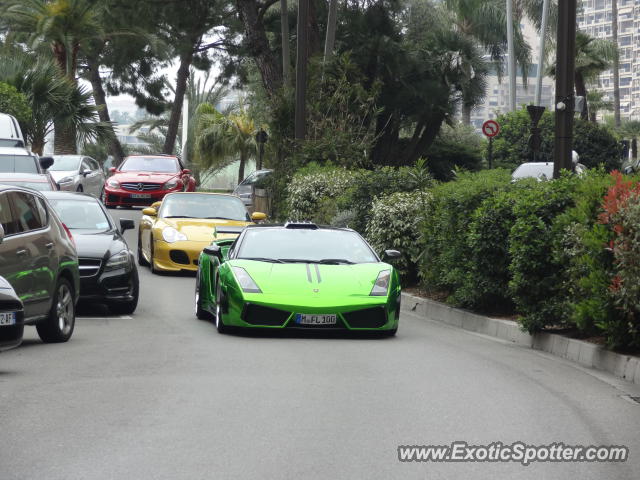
490 128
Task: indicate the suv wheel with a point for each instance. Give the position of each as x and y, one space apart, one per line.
58 326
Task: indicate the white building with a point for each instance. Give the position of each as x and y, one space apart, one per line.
594 18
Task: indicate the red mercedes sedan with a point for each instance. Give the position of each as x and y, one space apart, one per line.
145 179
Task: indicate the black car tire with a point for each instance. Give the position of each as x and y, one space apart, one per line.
201 313
127 308
58 326
141 260
79 189
154 270
222 328
391 333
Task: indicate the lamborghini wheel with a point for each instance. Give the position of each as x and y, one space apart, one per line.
222 328
201 313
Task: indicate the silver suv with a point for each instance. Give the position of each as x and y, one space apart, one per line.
38 258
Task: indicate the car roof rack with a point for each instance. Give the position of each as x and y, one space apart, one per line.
301 225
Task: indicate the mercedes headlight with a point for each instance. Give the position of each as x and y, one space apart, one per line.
119 260
381 286
170 184
170 235
246 282
113 183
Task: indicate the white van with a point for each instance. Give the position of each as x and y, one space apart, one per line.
10 132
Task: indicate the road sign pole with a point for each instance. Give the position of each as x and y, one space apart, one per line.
490 153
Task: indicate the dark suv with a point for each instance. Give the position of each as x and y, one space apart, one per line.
38 258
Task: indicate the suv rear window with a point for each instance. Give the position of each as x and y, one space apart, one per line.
18 164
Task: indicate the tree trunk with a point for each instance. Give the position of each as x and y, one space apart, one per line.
616 63
466 114
284 32
115 148
314 37
634 148
243 160
581 91
258 44
37 145
429 134
64 140
592 115
176 109
330 39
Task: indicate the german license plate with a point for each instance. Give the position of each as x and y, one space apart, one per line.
140 195
304 319
7 318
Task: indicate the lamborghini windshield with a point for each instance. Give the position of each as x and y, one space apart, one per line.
305 246
202 205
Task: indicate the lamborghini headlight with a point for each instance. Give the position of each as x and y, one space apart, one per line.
246 282
381 286
119 260
170 235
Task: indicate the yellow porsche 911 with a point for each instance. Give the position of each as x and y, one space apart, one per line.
174 231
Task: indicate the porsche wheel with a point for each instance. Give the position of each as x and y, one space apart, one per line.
141 260
222 328
152 262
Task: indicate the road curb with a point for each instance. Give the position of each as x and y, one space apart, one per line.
584 353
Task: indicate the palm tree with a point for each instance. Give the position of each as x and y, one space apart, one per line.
60 27
484 21
630 129
597 103
221 139
53 99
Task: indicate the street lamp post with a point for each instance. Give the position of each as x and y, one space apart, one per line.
565 98
261 139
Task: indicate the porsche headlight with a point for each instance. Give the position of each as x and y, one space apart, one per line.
381 286
119 260
66 180
246 282
170 235
113 183
170 184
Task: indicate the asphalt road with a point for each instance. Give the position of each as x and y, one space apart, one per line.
161 395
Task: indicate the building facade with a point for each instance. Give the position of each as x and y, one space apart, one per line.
595 19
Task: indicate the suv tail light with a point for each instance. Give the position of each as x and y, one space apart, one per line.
66 229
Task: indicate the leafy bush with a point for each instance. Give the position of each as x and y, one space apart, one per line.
537 275
446 256
596 145
394 225
486 283
312 193
369 184
622 215
456 147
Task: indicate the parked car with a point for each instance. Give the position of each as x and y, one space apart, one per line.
108 271
11 317
173 233
36 181
77 173
21 160
541 170
244 188
38 258
146 179
10 132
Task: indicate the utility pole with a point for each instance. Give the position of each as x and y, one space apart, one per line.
185 128
301 69
616 64
543 33
511 63
565 98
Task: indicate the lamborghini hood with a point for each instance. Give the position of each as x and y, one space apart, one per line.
311 280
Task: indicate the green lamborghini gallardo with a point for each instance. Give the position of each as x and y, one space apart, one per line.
297 276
